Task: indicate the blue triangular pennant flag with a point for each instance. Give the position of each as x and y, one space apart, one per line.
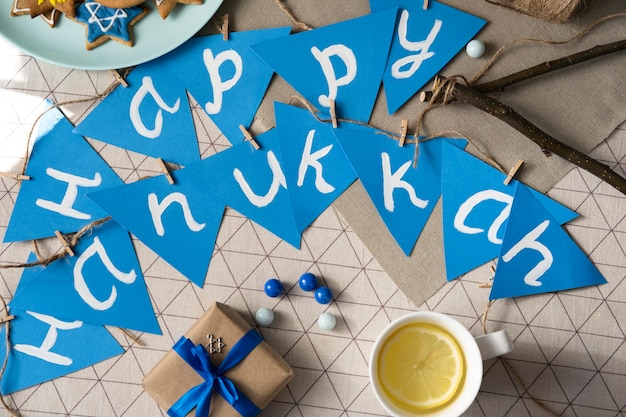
75 345
537 255
101 284
226 78
178 221
316 167
343 62
476 204
252 182
72 345
151 116
28 274
404 195
63 167
425 41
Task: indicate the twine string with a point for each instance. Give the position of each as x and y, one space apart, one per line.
29 139
73 241
36 250
443 90
316 113
6 320
453 133
392 135
132 337
396 136
85 229
558 11
514 42
75 237
285 9
442 95
509 366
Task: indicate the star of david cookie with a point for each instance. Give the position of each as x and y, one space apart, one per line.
165 7
22 7
43 7
104 23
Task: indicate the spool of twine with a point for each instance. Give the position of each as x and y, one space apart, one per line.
559 11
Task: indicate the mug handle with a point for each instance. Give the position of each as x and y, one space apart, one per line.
494 344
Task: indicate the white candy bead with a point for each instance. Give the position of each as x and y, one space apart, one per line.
326 321
264 316
475 48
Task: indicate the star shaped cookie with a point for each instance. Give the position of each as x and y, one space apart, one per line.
39 7
22 7
104 23
165 7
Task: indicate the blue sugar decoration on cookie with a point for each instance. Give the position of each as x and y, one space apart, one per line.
107 21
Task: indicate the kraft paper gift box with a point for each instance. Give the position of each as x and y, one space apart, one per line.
259 376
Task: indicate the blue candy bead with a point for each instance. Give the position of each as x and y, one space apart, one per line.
308 281
323 295
273 287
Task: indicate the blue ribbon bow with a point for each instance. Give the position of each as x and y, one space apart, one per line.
199 397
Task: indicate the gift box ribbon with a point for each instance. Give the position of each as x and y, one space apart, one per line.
199 397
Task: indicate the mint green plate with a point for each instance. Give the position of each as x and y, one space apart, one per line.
65 44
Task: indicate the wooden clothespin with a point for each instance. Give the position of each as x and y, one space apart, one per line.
6 319
513 171
249 137
66 245
426 4
489 283
225 27
14 176
333 113
166 171
119 78
403 129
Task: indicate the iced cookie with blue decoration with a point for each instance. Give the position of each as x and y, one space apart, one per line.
104 23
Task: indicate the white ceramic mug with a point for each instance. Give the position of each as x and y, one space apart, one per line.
474 350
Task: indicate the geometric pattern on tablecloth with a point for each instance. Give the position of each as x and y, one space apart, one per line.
570 346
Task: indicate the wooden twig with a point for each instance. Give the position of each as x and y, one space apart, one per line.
501 84
550 66
548 144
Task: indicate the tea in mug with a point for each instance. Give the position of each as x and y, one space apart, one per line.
421 367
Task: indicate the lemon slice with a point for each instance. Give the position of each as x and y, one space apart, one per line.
421 367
